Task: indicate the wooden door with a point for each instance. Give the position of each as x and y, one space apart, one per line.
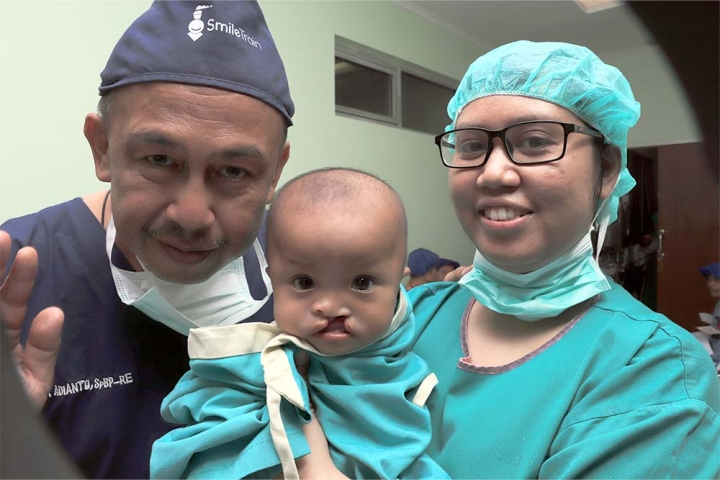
689 217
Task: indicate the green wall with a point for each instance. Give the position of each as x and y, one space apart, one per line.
52 53
56 51
305 34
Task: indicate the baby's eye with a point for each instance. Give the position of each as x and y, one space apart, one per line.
303 283
363 283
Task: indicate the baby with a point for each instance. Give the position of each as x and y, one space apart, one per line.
337 245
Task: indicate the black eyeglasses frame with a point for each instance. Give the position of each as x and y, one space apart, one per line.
568 128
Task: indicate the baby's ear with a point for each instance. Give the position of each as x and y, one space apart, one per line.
406 272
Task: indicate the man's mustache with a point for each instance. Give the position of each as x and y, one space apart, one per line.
200 238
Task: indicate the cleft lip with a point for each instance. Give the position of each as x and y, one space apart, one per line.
333 324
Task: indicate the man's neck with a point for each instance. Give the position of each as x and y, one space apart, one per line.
102 210
95 203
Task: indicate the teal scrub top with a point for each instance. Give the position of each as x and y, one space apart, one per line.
622 392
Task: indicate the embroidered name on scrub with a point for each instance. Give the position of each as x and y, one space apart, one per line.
93 384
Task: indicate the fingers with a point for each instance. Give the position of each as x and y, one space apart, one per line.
41 350
5 245
36 362
458 273
16 290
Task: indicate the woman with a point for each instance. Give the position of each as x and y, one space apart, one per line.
547 368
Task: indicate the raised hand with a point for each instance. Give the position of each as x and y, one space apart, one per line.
35 362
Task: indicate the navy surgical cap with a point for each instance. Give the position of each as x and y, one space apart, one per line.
220 44
421 261
711 269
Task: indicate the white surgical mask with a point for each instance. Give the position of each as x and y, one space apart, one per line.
223 299
572 278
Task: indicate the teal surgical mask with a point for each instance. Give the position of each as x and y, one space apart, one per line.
568 280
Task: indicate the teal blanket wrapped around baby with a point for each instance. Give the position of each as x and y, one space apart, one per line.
243 404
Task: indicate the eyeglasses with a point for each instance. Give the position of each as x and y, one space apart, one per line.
527 143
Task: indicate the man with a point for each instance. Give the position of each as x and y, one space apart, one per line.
423 265
191 136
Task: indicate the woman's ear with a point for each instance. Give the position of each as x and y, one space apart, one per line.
610 158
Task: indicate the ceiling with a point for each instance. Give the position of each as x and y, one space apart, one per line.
493 23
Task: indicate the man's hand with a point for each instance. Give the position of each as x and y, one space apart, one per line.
36 362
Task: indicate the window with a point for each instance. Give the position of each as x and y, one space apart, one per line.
424 104
375 86
364 91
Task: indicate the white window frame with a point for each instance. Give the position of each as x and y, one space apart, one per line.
393 66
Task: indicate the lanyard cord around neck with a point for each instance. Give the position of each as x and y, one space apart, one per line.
102 215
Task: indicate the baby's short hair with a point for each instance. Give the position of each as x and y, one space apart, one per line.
337 189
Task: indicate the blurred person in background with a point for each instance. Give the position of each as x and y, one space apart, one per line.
423 265
445 266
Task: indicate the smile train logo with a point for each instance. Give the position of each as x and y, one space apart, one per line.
196 27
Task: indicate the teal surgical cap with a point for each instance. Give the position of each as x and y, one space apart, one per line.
567 75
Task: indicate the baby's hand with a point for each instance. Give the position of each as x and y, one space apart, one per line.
318 464
302 362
